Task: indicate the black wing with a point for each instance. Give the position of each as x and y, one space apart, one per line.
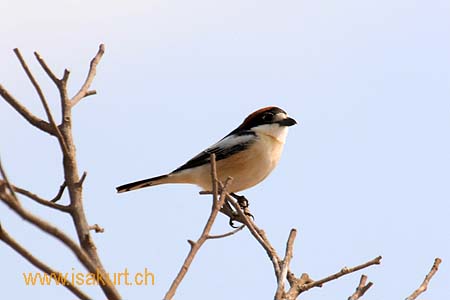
222 149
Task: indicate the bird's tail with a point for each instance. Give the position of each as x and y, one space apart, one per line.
142 183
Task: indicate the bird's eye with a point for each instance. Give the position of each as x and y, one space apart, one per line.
268 116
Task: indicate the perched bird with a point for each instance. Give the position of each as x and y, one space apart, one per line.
248 154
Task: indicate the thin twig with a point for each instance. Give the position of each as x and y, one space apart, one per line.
227 209
260 236
344 271
32 196
72 179
195 246
218 202
361 289
43 100
7 183
47 69
25 113
285 264
60 193
281 268
423 287
83 177
7 239
305 283
97 228
86 250
50 229
61 84
13 203
219 236
84 90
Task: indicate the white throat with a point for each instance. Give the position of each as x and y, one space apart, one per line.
273 130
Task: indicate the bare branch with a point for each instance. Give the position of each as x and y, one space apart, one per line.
38 199
227 208
43 100
205 193
83 177
260 236
285 264
86 250
50 229
90 93
361 289
74 183
423 287
47 70
13 203
25 113
7 183
7 239
60 193
304 283
65 77
97 228
84 90
218 202
61 84
344 271
219 236
91 265
281 267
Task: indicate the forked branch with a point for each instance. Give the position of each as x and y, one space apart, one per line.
49 203
25 113
361 289
217 202
8 240
44 102
85 88
86 250
226 204
8 196
342 272
281 267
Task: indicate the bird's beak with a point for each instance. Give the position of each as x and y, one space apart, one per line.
287 122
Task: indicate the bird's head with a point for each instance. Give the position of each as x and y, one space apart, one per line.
272 121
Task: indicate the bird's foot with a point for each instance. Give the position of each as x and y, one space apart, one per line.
231 222
242 201
243 204
232 219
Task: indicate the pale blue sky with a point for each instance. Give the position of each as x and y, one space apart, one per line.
365 173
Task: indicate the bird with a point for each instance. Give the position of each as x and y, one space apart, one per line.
248 154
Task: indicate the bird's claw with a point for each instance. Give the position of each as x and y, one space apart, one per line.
243 204
231 223
248 214
242 201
